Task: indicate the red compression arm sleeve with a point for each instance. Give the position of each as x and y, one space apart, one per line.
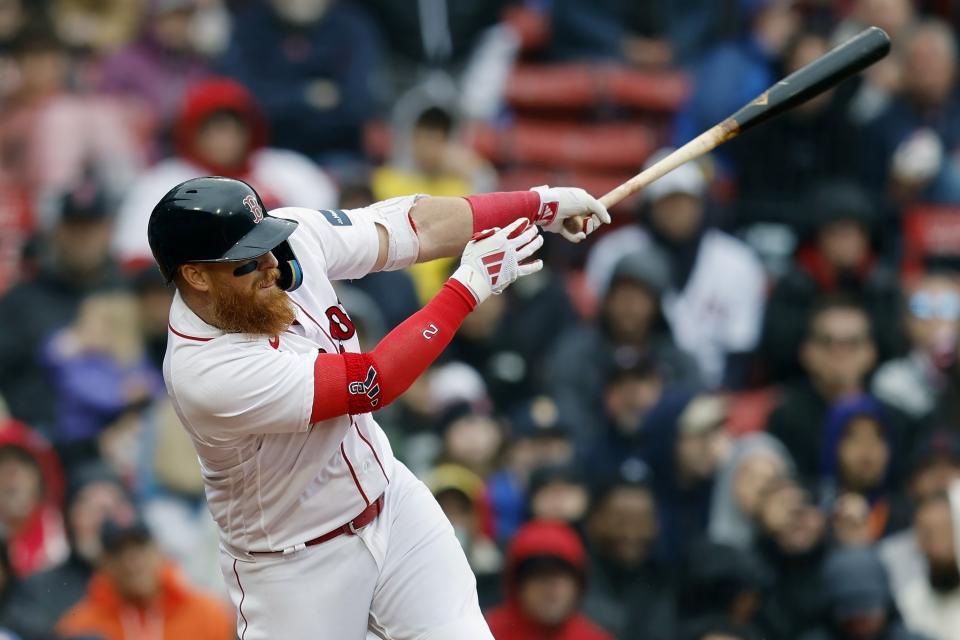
500 209
354 383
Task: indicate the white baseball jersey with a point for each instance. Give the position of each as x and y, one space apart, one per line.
274 480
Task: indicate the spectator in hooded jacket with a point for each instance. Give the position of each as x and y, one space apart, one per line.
313 65
220 131
545 579
94 494
30 499
839 260
137 593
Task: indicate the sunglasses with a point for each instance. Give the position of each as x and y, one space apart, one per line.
247 267
928 306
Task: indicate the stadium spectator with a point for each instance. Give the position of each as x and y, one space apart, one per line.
314 67
545 580
908 152
559 493
96 27
100 373
136 591
618 30
30 500
713 317
858 446
220 131
9 589
812 143
753 57
539 437
75 262
461 495
629 593
51 137
857 599
156 69
633 398
837 353
719 582
930 603
911 383
153 299
839 260
94 494
471 438
755 461
684 447
630 326
791 542
430 160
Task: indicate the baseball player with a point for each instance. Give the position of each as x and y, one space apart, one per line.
324 534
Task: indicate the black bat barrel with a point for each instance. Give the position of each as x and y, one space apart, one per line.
827 71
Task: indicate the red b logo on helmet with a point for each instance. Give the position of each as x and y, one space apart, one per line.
254 207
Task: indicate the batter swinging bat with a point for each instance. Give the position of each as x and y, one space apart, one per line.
825 72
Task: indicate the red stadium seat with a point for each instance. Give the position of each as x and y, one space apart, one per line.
650 91
552 87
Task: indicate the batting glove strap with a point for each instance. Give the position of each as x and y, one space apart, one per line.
495 258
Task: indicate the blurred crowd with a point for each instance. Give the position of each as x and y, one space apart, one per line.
734 414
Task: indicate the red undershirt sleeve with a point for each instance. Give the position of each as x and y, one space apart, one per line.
354 383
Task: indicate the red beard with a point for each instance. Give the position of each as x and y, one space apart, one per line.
247 312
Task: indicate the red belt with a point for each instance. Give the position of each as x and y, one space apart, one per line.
366 516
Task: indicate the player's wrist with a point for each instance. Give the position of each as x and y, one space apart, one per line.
502 208
475 282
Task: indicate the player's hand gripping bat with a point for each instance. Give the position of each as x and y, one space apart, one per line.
825 72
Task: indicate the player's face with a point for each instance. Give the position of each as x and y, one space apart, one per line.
246 298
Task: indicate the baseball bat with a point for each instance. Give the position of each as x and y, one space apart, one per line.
825 72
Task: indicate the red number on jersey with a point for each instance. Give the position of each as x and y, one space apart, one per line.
341 326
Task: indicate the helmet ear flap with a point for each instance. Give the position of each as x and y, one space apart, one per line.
291 275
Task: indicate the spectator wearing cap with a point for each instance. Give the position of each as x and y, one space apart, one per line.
839 260
629 593
755 461
857 599
684 443
635 397
930 602
32 494
472 438
314 65
630 327
545 580
94 494
714 297
156 69
220 130
137 593
75 261
539 437
932 317
462 497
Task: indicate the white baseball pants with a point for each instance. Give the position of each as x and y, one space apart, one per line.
403 577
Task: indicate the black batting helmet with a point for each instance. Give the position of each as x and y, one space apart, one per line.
218 219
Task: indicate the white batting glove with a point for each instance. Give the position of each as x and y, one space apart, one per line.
559 203
496 257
